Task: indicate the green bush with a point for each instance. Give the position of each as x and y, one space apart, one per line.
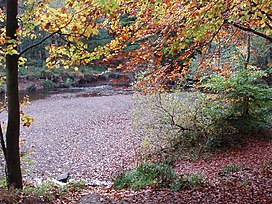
191 181
188 124
3 182
243 100
68 82
157 175
219 142
146 174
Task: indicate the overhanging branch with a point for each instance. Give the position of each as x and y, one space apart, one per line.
251 31
38 43
49 36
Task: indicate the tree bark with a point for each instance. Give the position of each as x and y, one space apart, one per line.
14 175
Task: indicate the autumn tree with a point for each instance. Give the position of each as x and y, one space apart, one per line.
170 34
159 39
72 23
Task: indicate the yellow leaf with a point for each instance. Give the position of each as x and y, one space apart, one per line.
90 31
70 38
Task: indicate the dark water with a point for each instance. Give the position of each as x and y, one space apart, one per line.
104 90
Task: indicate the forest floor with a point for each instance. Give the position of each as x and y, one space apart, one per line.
91 138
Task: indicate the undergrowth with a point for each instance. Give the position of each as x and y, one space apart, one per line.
45 192
157 175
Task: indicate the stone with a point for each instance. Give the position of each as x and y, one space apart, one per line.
63 177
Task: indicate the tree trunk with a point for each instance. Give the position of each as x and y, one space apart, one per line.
14 175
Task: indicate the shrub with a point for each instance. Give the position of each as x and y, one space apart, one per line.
244 101
3 182
189 182
68 82
175 121
188 123
157 175
146 174
195 180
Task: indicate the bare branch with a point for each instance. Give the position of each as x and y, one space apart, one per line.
251 31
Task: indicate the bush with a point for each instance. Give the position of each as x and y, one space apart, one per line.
231 168
219 142
157 175
146 174
175 121
3 182
243 100
68 82
186 124
189 182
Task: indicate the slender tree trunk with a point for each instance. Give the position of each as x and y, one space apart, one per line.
14 175
247 60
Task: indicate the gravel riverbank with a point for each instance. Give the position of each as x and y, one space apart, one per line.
89 137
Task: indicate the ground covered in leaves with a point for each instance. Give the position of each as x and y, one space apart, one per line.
238 175
245 176
91 138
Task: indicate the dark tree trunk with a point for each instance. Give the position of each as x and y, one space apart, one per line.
14 176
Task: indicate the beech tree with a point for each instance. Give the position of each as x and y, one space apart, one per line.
71 23
159 38
169 34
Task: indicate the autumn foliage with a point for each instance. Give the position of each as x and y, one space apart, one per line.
159 40
168 35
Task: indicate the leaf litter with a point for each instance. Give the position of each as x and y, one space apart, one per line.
92 138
